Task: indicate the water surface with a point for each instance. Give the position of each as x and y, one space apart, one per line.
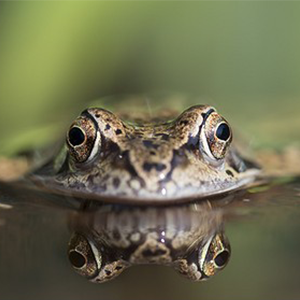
262 226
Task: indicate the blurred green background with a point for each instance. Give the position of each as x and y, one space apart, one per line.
242 57
55 57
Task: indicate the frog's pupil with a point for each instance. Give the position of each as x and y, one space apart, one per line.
223 132
77 259
221 258
76 136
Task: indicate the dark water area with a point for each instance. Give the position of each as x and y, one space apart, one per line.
261 225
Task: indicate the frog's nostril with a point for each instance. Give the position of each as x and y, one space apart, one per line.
153 253
157 166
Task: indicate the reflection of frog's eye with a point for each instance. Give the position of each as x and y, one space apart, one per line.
87 259
214 255
216 136
82 257
81 138
203 260
222 258
77 259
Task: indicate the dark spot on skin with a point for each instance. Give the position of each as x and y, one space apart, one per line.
184 122
109 147
164 136
119 267
118 131
97 116
107 272
179 158
193 141
157 166
160 167
107 127
129 167
148 144
152 153
228 172
116 182
116 234
147 167
149 253
122 161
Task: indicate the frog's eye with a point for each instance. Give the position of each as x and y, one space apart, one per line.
214 255
81 138
216 136
83 256
76 136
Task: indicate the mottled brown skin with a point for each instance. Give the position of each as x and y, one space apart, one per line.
144 160
107 240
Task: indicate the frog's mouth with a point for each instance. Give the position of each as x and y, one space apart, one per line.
141 196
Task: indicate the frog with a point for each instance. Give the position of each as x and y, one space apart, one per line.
107 240
162 158
155 162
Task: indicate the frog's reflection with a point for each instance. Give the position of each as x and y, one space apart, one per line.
109 239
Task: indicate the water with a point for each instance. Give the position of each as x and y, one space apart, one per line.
262 227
